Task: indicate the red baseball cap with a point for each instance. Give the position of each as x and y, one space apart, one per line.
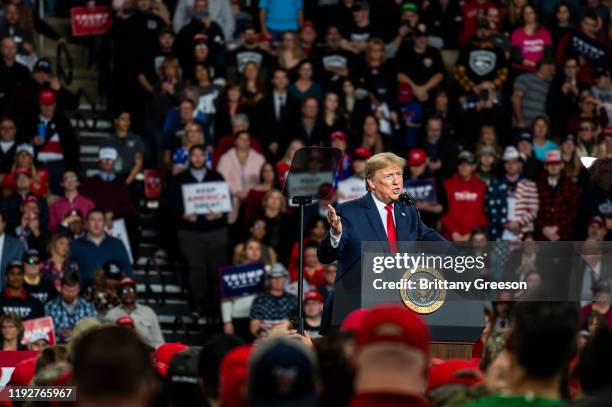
362 153
233 374
416 157
454 371
313 296
393 323
164 353
46 97
30 199
125 320
353 320
338 135
24 372
127 281
553 157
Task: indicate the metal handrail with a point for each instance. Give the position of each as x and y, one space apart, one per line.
82 121
159 298
65 76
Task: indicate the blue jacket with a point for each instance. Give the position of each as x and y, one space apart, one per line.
361 222
90 257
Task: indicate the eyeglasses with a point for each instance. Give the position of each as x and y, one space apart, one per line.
70 178
585 129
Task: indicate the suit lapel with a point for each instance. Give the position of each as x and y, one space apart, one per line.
401 222
375 221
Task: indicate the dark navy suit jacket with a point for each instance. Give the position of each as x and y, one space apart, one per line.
361 222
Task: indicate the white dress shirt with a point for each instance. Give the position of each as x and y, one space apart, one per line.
380 205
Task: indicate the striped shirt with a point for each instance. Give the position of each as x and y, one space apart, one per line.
535 91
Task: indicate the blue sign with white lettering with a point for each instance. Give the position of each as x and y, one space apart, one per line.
238 281
423 190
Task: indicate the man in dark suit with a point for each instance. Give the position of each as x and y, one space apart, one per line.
377 216
276 117
11 249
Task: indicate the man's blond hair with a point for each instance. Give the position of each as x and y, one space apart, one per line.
380 161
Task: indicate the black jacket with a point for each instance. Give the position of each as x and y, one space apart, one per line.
174 201
58 124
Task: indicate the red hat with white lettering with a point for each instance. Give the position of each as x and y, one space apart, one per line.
553 157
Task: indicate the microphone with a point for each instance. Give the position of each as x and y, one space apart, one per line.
409 200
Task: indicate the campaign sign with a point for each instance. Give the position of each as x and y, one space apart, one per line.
8 360
38 328
86 21
207 197
350 189
238 281
423 190
153 184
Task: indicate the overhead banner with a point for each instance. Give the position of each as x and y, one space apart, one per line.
238 281
86 21
207 197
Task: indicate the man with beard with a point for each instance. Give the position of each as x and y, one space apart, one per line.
202 239
145 319
249 51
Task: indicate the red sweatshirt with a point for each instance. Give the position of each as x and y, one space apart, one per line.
465 205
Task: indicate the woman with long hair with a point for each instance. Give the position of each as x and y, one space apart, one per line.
267 181
540 129
58 261
12 332
24 158
289 52
235 311
588 108
587 145
570 157
304 86
231 103
192 135
371 137
332 115
279 235
529 43
253 87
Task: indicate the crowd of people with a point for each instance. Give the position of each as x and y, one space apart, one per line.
493 104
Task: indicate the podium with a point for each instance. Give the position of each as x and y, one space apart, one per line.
455 326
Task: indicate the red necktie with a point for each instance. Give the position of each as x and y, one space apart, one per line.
391 234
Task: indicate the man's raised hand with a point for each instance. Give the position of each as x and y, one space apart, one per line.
334 221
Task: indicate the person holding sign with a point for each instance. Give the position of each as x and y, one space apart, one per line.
200 200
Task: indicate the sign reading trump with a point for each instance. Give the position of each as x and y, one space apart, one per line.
90 21
207 197
238 281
